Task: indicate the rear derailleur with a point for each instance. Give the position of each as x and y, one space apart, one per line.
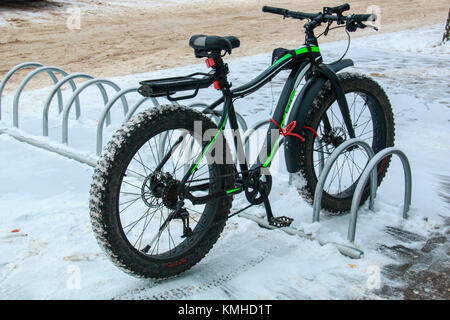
164 186
183 214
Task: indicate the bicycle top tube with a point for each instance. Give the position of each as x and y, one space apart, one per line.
300 54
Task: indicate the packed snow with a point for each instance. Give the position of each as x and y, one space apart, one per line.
48 250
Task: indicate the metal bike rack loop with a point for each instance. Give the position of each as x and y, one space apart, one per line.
50 71
127 114
17 68
326 170
65 123
132 111
250 131
239 117
369 171
57 87
65 150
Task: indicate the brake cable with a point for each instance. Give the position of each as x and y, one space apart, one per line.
346 50
325 33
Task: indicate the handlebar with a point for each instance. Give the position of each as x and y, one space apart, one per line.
353 21
287 13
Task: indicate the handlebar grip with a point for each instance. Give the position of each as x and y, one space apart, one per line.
343 7
338 9
274 10
364 17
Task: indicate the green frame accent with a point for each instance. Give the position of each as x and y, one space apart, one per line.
275 147
233 190
297 52
210 144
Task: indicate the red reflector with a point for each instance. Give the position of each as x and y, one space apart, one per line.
210 62
216 85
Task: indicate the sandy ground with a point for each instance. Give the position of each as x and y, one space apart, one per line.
123 39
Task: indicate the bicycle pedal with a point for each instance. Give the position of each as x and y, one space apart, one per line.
280 222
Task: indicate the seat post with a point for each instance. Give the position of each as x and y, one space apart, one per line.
215 62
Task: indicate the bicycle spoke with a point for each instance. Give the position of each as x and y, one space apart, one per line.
142 163
129 205
134 223
130 184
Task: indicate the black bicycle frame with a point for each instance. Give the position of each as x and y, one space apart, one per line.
303 62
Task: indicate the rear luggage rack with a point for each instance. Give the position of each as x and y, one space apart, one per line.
169 86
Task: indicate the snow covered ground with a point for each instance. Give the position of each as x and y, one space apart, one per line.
44 197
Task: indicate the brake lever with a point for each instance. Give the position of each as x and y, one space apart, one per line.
372 27
353 25
362 26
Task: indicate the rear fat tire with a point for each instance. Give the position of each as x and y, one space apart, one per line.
350 82
106 185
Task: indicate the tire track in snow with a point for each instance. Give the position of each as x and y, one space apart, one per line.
210 279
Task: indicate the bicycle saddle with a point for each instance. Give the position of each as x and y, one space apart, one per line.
209 43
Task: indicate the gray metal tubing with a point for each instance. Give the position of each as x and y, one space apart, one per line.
326 170
119 95
11 73
52 147
239 117
251 131
24 82
162 145
57 87
138 104
204 106
242 122
370 168
189 153
107 109
69 104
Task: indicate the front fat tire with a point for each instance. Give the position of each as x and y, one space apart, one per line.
107 179
350 82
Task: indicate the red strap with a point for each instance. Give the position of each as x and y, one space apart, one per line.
290 127
288 130
312 130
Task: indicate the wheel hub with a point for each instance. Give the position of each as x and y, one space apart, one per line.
162 186
335 137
